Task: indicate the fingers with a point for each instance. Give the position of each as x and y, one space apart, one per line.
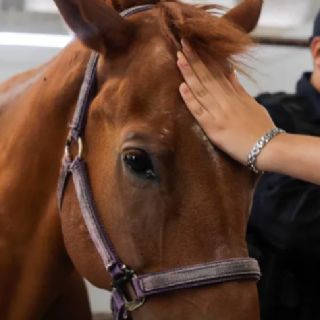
210 81
197 65
191 102
202 82
197 98
203 117
220 96
236 84
192 79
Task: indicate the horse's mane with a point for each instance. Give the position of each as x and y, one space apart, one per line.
207 32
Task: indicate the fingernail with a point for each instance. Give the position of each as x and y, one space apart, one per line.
186 46
181 59
230 68
184 88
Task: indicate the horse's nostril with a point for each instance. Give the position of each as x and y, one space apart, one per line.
139 162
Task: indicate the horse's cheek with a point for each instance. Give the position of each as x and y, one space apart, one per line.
79 246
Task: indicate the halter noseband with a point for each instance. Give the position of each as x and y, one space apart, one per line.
143 285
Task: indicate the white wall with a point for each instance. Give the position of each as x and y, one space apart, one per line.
273 68
276 69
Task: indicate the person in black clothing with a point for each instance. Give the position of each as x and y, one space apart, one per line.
284 228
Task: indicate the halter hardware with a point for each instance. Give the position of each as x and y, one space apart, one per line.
67 148
134 304
120 283
121 280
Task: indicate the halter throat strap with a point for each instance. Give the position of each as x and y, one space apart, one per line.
145 285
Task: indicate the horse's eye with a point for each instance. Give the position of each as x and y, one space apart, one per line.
139 162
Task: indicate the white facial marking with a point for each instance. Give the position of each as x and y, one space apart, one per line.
210 147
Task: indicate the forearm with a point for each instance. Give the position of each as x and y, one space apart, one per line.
294 155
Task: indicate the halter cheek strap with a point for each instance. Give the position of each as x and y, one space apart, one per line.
145 285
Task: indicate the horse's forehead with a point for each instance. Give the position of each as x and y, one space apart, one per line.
144 86
144 79
159 50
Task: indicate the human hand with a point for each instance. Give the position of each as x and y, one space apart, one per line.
229 116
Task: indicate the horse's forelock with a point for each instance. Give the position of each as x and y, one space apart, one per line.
200 24
207 32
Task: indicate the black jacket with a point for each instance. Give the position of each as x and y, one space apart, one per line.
284 227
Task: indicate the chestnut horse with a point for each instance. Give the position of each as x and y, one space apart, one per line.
175 201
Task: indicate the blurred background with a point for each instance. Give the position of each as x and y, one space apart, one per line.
31 32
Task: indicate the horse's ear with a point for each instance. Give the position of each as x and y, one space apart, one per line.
246 14
96 24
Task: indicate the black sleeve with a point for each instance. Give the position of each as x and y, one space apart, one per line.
286 215
273 104
286 212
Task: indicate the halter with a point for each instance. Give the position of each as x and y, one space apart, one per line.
145 285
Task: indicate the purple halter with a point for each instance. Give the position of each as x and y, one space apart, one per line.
145 285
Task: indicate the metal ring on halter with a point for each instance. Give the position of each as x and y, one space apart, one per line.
134 304
67 151
120 285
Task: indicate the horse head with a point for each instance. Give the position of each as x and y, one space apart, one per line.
166 197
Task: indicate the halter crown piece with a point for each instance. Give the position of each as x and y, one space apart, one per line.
145 285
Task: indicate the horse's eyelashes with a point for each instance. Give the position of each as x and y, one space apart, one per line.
139 162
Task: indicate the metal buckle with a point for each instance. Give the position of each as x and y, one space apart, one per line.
67 148
119 284
134 304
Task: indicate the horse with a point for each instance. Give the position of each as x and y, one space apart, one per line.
166 197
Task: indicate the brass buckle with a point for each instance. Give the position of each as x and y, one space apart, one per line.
67 149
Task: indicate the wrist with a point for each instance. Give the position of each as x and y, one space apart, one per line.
271 157
260 145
